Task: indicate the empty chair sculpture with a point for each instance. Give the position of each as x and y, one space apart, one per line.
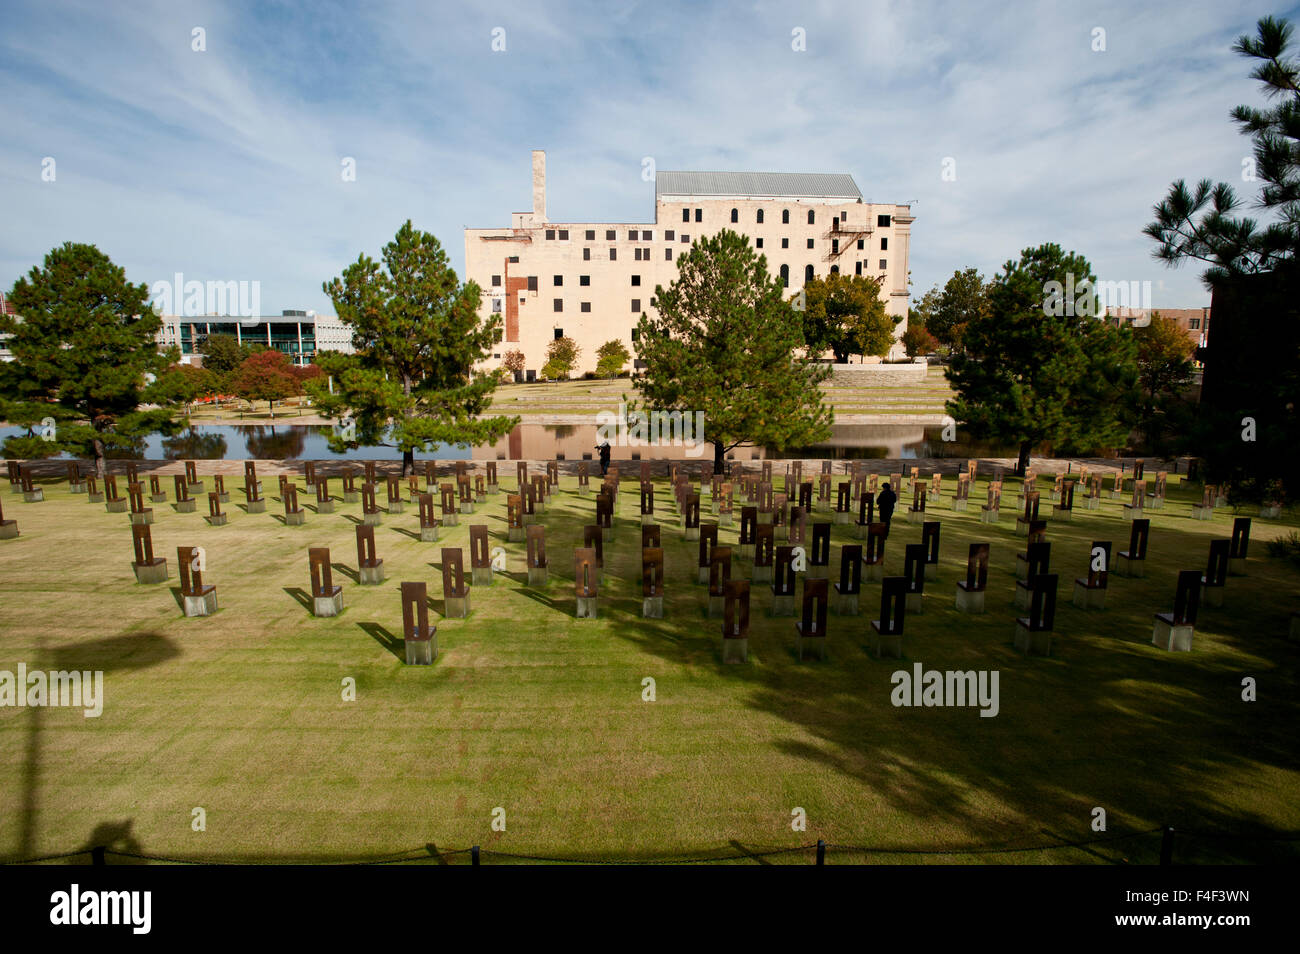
1090 591
970 591
887 631
810 628
1033 633
1174 631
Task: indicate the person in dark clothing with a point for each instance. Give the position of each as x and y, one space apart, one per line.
603 448
885 501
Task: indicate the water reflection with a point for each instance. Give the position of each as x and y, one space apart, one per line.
540 442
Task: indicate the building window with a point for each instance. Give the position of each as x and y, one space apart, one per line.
558 281
862 243
835 269
810 243
609 235
631 236
585 307
590 235
647 235
808 274
636 304
586 255
635 333
613 255
812 217
686 239
884 245
584 279
699 215
686 215
857 268
758 217
514 259
785 276
559 333
559 304
785 216
496 356
1193 322
564 235
835 246
532 283
668 235
758 243
550 234
883 263
636 280
785 243
668 255
882 221
735 215
496 281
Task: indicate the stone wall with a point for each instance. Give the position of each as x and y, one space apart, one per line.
877 375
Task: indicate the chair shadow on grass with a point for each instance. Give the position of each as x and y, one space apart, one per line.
280 519
348 516
180 599
394 644
301 595
347 571
405 532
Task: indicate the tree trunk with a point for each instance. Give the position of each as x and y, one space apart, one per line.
408 462
718 465
99 459
1022 463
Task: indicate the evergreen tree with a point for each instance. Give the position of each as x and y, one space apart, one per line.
964 298
725 343
86 354
417 336
1040 365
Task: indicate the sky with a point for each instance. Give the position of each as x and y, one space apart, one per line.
221 154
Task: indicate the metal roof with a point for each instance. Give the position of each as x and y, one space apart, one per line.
803 184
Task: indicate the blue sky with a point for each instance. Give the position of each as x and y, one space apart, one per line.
225 164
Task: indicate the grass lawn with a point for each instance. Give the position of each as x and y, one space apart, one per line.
533 711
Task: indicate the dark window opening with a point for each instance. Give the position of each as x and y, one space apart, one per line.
882 221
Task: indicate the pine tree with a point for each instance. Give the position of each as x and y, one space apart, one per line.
86 354
1041 366
417 336
724 343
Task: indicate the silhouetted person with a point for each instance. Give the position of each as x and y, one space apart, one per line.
885 501
603 448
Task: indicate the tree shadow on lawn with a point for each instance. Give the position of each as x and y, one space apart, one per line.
1108 720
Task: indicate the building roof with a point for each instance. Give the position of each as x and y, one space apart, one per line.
816 185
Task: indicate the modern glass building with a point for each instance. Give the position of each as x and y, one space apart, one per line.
298 334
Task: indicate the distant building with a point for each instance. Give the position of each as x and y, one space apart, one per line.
591 281
1195 322
6 308
299 334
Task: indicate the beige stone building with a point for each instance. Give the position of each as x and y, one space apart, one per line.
591 281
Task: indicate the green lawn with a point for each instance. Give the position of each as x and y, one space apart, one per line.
531 710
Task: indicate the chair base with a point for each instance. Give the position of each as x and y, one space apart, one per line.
457 607
1032 642
481 576
652 607
970 601
371 575
155 572
783 605
537 575
1175 638
1089 598
422 652
735 649
204 604
587 607
885 643
327 605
